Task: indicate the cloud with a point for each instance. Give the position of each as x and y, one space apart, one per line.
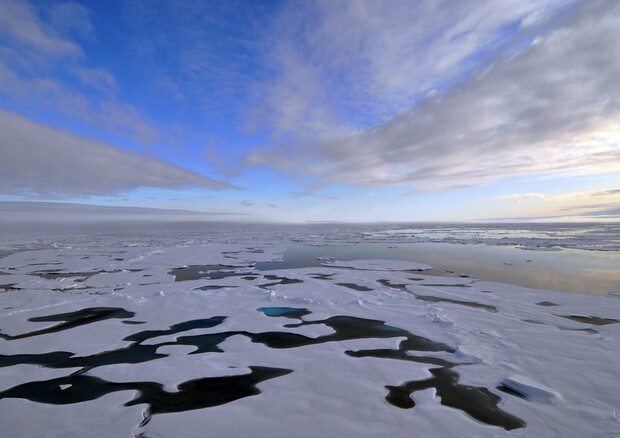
69 18
340 66
608 209
518 196
33 209
38 160
125 119
247 203
198 53
294 107
20 22
35 43
610 212
552 107
97 78
601 193
314 194
107 112
43 218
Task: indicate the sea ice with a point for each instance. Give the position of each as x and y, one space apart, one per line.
529 389
365 348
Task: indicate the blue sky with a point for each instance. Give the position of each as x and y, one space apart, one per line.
315 111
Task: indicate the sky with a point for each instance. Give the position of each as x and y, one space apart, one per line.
335 110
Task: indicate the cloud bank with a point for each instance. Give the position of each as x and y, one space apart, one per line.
552 106
38 160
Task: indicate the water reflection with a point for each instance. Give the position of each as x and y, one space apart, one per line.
569 270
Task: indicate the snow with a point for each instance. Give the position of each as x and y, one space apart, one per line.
551 367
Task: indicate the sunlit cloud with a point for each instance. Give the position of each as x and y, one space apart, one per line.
518 196
330 78
600 193
553 107
593 204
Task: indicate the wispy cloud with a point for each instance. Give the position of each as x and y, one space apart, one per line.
107 112
611 211
601 193
20 22
552 107
41 161
36 43
201 53
340 66
97 78
517 196
314 194
599 211
258 203
70 18
301 194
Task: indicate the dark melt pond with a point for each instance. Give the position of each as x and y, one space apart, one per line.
477 402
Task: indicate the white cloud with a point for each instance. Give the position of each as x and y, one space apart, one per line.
42 161
342 65
553 107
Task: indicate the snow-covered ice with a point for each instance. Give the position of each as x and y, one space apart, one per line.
169 338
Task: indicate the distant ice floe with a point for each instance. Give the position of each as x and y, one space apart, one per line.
531 237
134 337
